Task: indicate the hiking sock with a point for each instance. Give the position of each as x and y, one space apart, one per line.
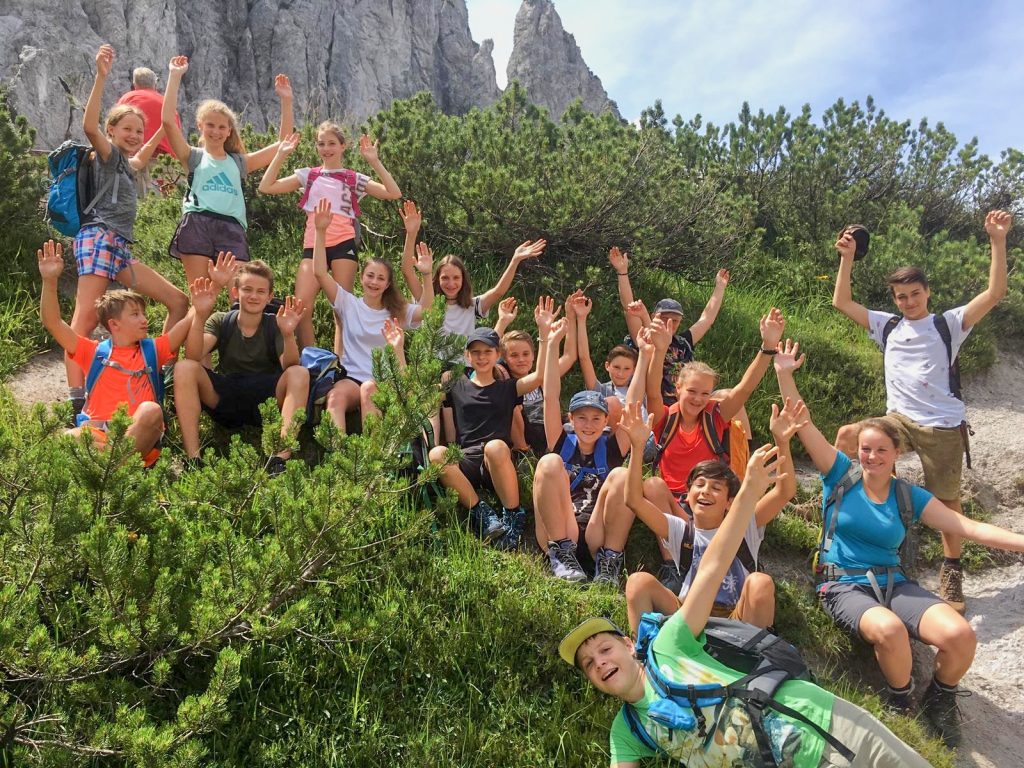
76 393
898 699
943 687
952 562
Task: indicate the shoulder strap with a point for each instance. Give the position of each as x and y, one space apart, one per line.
228 323
240 162
350 178
601 456
686 550
313 175
568 447
667 433
834 501
269 324
98 361
94 167
637 728
716 444
905 505
153 367
746 557
888 328
954 362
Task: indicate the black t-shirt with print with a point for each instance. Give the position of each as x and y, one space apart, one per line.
584 496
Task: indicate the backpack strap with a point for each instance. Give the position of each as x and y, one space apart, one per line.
313 175
637 728
156 380
269 325
905 505
667 433
94 166
720 446
686 545
577 472
954 362
888 328
851 477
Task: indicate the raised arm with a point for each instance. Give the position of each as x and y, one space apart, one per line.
168 112
530 249
51 264
387 187
178 332
425 269
91 118
553 384
997 224
582 310
660 338
545 314
821 451
762 471
289 315
783 424
620 263
638 430
412 219
712 308
940 517
270 184
140 159
772 326
198 344
568 357
321 219
507 311
394 335
261 158
842 296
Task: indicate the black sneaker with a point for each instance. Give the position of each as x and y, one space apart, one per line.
898 702
275 466
513 520
670 577
942 712
485 523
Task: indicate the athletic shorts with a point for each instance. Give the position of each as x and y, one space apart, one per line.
98 430
941 450
99 250
846 603
206 234
473 467
346 250
240 396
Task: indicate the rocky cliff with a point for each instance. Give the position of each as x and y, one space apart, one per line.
346 58
548 63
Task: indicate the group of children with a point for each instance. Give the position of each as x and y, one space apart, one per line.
659 407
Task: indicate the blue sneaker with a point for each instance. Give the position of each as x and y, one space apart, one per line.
485 523
513 520
608 567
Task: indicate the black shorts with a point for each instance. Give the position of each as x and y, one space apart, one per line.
583 556
346 249
240 396
847 603
473 467
206 234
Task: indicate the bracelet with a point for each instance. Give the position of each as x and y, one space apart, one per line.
622 274
769 352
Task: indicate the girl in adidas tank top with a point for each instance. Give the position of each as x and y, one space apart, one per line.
344 189
214 205
103 244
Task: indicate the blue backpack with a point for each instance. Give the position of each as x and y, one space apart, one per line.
72 170
766 661
324 370
102 360
576 472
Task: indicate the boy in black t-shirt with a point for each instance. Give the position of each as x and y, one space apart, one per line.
483 407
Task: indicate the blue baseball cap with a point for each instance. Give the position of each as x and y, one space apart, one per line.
588 398
668 307
487 336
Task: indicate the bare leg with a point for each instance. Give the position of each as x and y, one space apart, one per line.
452 477
151 283
644 594
343 397
147 426
83 321
192 388
292 391
306 289
757 600
195 265
554 516
954 640
885 631
610 524
498 460
366 406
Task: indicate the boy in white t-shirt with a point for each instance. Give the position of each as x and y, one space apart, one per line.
921 377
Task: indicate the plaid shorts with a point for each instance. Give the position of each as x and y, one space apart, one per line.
99 250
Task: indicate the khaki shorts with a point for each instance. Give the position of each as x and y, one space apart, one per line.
941 450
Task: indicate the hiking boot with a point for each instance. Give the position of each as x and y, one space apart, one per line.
898 702
275 466
564 565
485 523
670 577
513 520
951 586
940 709
608 567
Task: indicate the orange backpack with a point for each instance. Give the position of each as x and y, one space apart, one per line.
734 437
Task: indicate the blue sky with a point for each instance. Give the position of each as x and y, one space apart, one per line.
957 62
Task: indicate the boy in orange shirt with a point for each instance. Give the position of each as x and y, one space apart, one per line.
130 368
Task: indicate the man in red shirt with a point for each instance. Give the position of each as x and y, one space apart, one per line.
146 97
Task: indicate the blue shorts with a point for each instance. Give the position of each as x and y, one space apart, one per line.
99 250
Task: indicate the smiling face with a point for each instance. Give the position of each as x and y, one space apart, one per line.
330 147
876 452
694 390
252 292
449 278
708 498
608 662
376 279
588 423
519 358
911 299
482 357
215 128
127 134
620 370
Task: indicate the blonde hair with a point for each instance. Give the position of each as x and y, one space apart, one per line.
233 143
257 268
327 126
696 368
111 304
511 336
118 113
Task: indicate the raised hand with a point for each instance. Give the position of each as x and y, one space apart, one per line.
570 300
203 292
790 420
722 278
558 330
394 334
369 149
645 342
632 420
636 309
545 314
846 245
412 217
772 327
223 269
531 249
283 87
582 305
660 334
997 224
424 258
178 66
618 260
51 260
322 215
788 357
104 60
508 309
763 469
288 144
289 315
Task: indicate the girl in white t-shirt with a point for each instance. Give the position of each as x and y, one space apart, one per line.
343 188
362 318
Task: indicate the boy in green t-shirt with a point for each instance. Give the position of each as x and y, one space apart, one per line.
606 657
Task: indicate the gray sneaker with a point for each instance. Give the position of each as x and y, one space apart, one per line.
564 564
608 567
485 523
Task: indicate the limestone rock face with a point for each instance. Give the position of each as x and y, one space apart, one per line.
547 62
347 59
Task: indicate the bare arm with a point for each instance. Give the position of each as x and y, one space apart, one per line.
387 187
139 160
639 430
507 311
842 296
51 264
712 308
940 517
425 269
583 349
821 451
620 263
91 117
168 113
784 424
411 219
568 358
198 343
321 219
544 314
261 158
176 335
270 184
772 326
528 250
997 224
553 385
660 336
